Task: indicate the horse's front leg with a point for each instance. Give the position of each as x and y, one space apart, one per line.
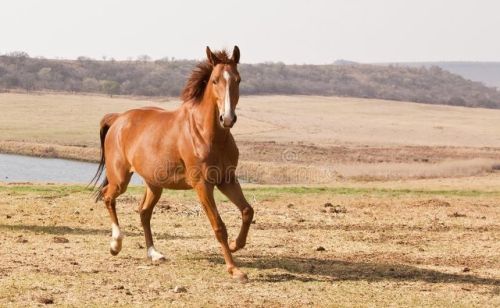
205 192
232 190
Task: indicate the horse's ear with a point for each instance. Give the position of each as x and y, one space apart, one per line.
212 58
236 55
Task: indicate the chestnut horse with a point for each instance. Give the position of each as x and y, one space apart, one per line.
189 148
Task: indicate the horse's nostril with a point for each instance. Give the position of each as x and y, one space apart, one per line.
220 118
235 118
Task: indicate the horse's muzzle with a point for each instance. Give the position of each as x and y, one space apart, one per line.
227 122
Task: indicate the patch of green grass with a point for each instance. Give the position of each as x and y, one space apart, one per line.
275 192
259 193
43 190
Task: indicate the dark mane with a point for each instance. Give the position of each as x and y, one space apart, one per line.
197 82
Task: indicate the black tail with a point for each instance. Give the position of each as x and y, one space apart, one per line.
105 125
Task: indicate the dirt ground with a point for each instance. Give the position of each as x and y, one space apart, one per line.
414 243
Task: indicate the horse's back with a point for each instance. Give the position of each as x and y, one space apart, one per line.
142 125
144 138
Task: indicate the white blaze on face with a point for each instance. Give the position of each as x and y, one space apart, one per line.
227 99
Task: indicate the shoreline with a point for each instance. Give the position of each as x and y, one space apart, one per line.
43 150
268 172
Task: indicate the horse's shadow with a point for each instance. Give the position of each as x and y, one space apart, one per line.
65 230
55 230
314 269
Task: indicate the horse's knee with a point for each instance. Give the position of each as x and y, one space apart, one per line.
247 214
112 191
109 194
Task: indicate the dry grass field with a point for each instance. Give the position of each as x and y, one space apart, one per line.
380 204
285 139
383 244
322 121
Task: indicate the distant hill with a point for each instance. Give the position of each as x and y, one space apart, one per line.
485 72
166 77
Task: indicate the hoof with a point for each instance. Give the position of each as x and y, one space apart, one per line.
158 259
240 277
115 246
233 247
113 252
155 255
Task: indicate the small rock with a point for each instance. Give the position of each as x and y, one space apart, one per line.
155 285
290 205
254 222
60 239
8 216
338 209
466 269
139 246
301 220
74 263
320 248
457 214
328 204
76 213
179 289
128 292
119 287
46 300
21 240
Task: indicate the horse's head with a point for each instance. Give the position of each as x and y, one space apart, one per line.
225 84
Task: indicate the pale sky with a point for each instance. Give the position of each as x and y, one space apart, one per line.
314 31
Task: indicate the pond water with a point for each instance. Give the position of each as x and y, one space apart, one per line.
19 168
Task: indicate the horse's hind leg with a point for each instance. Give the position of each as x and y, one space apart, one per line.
150 199
110 193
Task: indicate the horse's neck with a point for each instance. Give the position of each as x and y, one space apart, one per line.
205 129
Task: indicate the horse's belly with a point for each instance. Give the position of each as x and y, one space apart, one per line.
175 181
166 175
172 176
